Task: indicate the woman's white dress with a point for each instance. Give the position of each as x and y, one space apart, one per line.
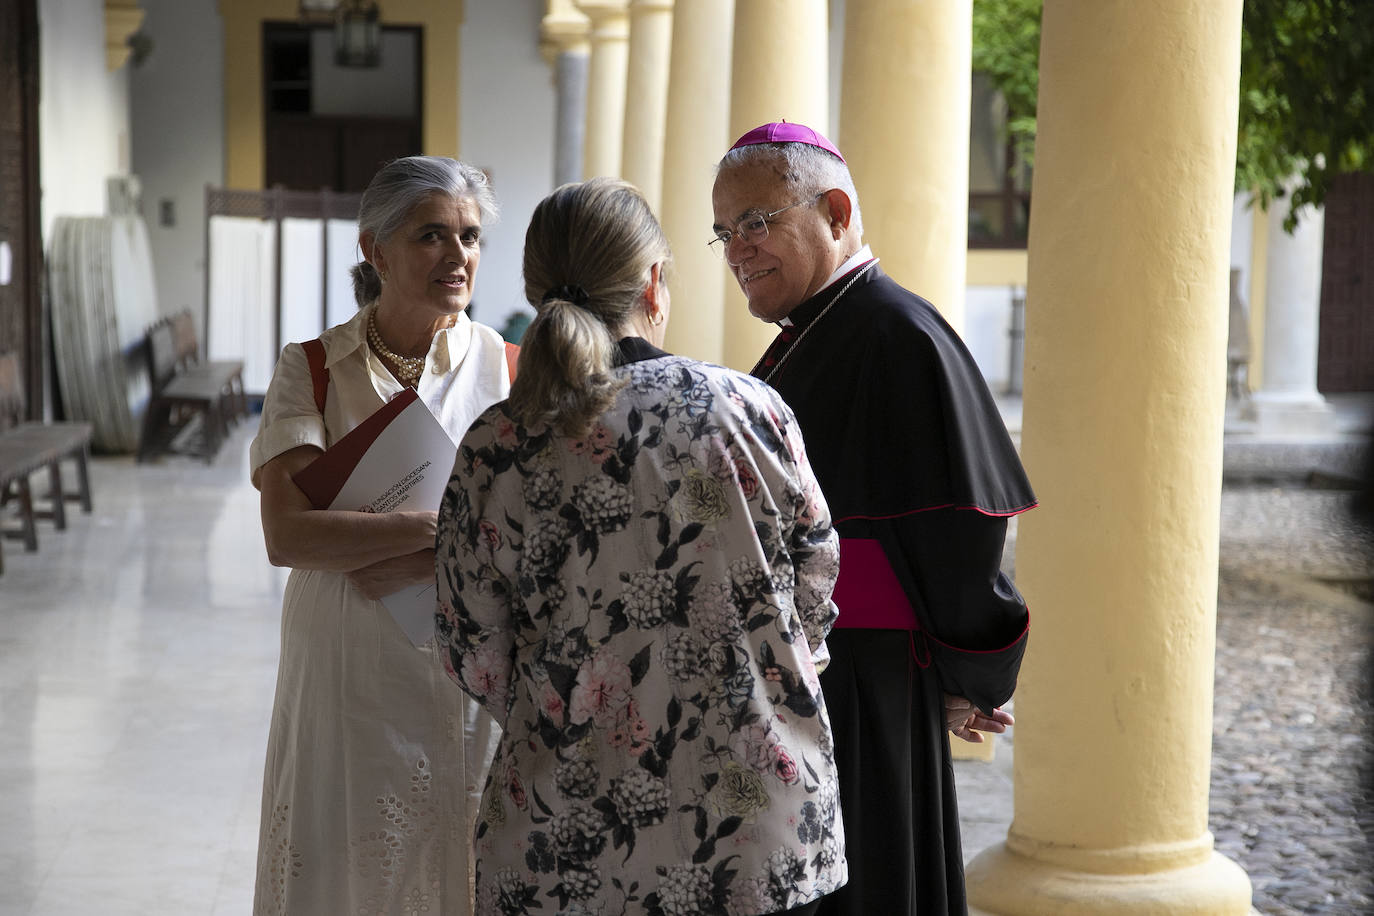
375 759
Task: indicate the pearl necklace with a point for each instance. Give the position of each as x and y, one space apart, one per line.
817 320
408 368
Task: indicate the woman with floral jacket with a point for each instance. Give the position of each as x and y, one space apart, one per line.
634 567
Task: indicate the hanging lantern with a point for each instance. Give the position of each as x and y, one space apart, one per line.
318 12
357 34
357 29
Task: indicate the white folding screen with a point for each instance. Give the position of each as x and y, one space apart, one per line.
341 253
302 279
279 272
242 308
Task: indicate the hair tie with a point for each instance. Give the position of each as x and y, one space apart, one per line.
569 293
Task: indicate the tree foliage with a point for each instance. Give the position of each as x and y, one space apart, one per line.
1306 89
1006 47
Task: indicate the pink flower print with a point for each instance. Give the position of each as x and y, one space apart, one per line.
505 433
815 503
639 729
637 748
602 689
619 737
552 704
516 789
487 673
601 437
755 743
748 480
577 446
488 535
784 767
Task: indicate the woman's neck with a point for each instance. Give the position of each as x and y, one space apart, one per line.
406 333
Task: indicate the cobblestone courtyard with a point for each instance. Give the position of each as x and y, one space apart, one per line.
1293 723
1291 749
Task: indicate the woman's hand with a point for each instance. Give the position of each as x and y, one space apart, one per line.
962 718
303 537
381 579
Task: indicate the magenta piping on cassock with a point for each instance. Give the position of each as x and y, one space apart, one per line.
991 513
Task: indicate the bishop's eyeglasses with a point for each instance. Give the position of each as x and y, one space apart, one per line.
753 226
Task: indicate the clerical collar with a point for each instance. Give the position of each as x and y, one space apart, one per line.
859 257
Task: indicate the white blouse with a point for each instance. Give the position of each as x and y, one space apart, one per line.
359 384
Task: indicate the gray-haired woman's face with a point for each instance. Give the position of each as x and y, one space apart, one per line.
430 261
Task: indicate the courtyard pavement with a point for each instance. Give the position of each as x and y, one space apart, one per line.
1293 717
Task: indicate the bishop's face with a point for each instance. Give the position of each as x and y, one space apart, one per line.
786 268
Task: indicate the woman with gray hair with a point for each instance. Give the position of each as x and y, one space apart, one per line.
371 755
634 568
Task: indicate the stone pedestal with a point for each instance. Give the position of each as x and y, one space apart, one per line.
1287 402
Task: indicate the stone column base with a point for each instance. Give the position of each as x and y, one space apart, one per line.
1283 414
1002 883
959 749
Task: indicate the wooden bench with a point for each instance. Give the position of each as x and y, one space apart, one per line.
187 390
28 447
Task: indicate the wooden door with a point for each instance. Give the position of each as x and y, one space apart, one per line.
1345 348
21 246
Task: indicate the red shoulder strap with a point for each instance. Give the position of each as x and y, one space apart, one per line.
512 358
319 375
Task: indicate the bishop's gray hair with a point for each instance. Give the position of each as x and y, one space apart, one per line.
806 170
398 188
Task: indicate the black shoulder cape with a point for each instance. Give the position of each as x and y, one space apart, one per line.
896 415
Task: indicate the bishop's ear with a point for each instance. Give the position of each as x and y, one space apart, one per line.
840 211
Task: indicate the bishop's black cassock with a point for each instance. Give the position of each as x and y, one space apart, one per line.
920 476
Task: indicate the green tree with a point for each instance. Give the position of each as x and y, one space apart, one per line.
1306 88
1006 46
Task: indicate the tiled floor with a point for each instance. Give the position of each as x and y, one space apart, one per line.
137 660
138 655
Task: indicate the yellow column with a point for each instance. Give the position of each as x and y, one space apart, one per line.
904 126
245 157
779 71
610 38
646 96
563 42
1124 405
696 134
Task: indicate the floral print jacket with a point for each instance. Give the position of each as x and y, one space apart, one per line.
642 611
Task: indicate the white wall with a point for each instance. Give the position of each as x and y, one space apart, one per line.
507 128
1242 236
177 102
987 332
388 90
83 111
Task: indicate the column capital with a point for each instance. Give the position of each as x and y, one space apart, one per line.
563 29
122 19
610 18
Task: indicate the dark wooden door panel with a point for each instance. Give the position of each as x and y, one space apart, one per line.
1345 350
21 327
